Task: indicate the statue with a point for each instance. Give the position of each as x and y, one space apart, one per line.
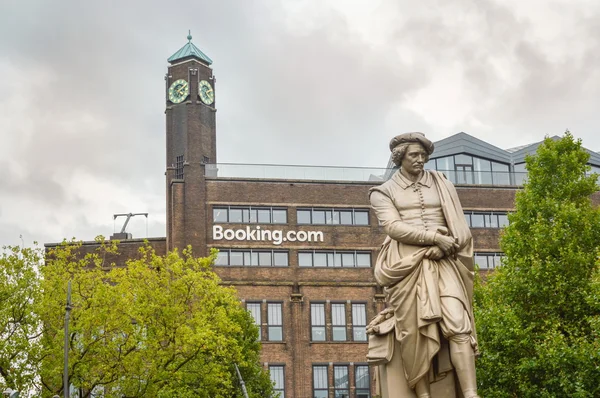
424 341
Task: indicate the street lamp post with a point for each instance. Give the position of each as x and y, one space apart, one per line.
66 348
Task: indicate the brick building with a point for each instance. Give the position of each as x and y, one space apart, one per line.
299 242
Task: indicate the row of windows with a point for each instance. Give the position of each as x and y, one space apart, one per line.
319 216
467 169
278 215
280 258
250 215
486 219
320 319
332 258
253 258
338 322
488 260
342 384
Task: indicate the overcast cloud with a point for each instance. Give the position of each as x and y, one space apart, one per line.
316 82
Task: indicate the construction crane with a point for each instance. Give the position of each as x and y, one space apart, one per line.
125 235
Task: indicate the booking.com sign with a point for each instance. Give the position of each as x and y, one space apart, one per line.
258 234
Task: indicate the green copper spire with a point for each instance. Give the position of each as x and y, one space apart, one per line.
190 51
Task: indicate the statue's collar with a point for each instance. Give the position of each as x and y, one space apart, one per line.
404 182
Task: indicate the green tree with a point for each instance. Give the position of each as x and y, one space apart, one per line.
161 326
539 314
19 324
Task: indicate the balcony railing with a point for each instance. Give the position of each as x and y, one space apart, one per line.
290 172
355 174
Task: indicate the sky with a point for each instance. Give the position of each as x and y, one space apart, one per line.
316 82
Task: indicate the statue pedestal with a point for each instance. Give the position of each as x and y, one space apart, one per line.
393 382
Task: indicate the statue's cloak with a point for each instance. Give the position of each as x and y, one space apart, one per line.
412 284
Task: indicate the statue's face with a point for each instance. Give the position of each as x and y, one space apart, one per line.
414 159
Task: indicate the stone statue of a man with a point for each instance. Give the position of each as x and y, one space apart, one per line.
426 268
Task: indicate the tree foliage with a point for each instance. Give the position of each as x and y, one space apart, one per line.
19 324
162 326
539 314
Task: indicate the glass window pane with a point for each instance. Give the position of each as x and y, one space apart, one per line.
303 216
361 377
318 217
361 217
222 258
346 217
336 217
253 215
430 165
247 259
363 260
481 261
339 333
337 259
445 164
275 333
305 259
219 214
320 259
468 218
338 314
254 310
340 377
236 258
477 221
482 171
481 164
463 159
320 379
279 216
264 216
502 220
254 258
265 259
499 167
235 215
246 215
280 259
347 259
276 373
493 221
328 216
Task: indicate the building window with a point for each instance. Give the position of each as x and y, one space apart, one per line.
488 219
362 381
467 169
254 310
341 384
326 216
252 258
332 258
488 260
338 322
179 168
320 382
278 379
359 322
274 322
249 215
317 322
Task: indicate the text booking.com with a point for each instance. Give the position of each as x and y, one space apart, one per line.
276 236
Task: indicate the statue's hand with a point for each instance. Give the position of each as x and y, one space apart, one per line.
446 243
434 253
373 326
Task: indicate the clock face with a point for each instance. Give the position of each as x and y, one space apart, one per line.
206 93
178 91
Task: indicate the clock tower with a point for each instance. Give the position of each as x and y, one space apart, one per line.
191 144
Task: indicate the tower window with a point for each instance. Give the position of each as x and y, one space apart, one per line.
179 168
